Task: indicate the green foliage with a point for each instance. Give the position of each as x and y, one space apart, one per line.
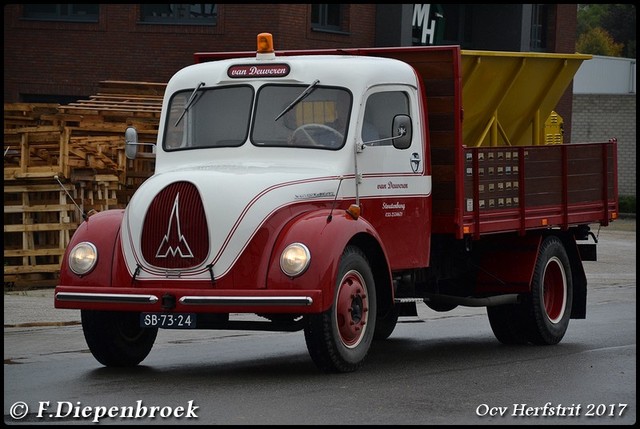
618 21
589 16
627 204
597 41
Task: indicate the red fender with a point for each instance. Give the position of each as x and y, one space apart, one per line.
326 238
507 264
101 229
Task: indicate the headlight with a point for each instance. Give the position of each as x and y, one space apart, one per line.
83 258
295 259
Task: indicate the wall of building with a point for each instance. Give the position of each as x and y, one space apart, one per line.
599 117
606 75
604 106
58 58
71 58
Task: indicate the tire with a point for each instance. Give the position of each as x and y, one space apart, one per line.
339 339
507 324
551 294
543 317
116 338
386 324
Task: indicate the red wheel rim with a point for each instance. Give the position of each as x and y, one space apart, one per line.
554 290
352 308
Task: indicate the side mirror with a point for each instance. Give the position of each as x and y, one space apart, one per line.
131 142
403 131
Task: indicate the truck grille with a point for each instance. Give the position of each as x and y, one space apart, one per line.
175 233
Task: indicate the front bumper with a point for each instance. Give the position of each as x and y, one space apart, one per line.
189 300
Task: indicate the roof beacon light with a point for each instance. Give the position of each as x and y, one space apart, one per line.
265 47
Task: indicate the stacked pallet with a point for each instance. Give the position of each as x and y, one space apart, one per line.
60 160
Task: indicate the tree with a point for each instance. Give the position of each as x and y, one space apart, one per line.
617 20
597 41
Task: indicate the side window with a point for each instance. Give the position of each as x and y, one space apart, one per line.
379 112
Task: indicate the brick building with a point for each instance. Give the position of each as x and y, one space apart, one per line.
604 106
60 52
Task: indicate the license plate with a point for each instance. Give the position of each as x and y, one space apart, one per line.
168 320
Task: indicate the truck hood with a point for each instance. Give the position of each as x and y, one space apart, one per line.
186 222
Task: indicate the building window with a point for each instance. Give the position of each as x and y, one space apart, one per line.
61 12
180 13
538 27
326 17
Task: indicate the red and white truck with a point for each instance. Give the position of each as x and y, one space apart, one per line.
329 191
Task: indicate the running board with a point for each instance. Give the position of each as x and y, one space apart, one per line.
488 301
465 301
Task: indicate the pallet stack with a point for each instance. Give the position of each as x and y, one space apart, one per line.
57 156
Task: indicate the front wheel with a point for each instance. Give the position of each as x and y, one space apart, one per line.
339 339
116 338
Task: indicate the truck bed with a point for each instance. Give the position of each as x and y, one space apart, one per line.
492 169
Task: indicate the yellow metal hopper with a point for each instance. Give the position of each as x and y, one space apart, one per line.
508 96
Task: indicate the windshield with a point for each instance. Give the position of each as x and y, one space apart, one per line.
221 117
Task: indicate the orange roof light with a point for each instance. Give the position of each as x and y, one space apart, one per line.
265 46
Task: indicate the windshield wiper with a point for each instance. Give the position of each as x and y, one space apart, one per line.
192 98
306 92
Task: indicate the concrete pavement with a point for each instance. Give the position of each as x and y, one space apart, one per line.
35 308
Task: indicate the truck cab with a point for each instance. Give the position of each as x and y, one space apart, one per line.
301 135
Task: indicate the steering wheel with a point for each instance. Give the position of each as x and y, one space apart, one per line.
306 130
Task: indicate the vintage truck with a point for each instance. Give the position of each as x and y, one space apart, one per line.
330 191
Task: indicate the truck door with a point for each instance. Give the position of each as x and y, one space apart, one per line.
394 185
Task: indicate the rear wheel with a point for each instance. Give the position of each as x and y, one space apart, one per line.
551 294
544 316
116 338
507 323
339 339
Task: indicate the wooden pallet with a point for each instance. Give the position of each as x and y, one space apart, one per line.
38 222
18 115
81 145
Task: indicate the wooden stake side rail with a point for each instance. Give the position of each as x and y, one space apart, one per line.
536 187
